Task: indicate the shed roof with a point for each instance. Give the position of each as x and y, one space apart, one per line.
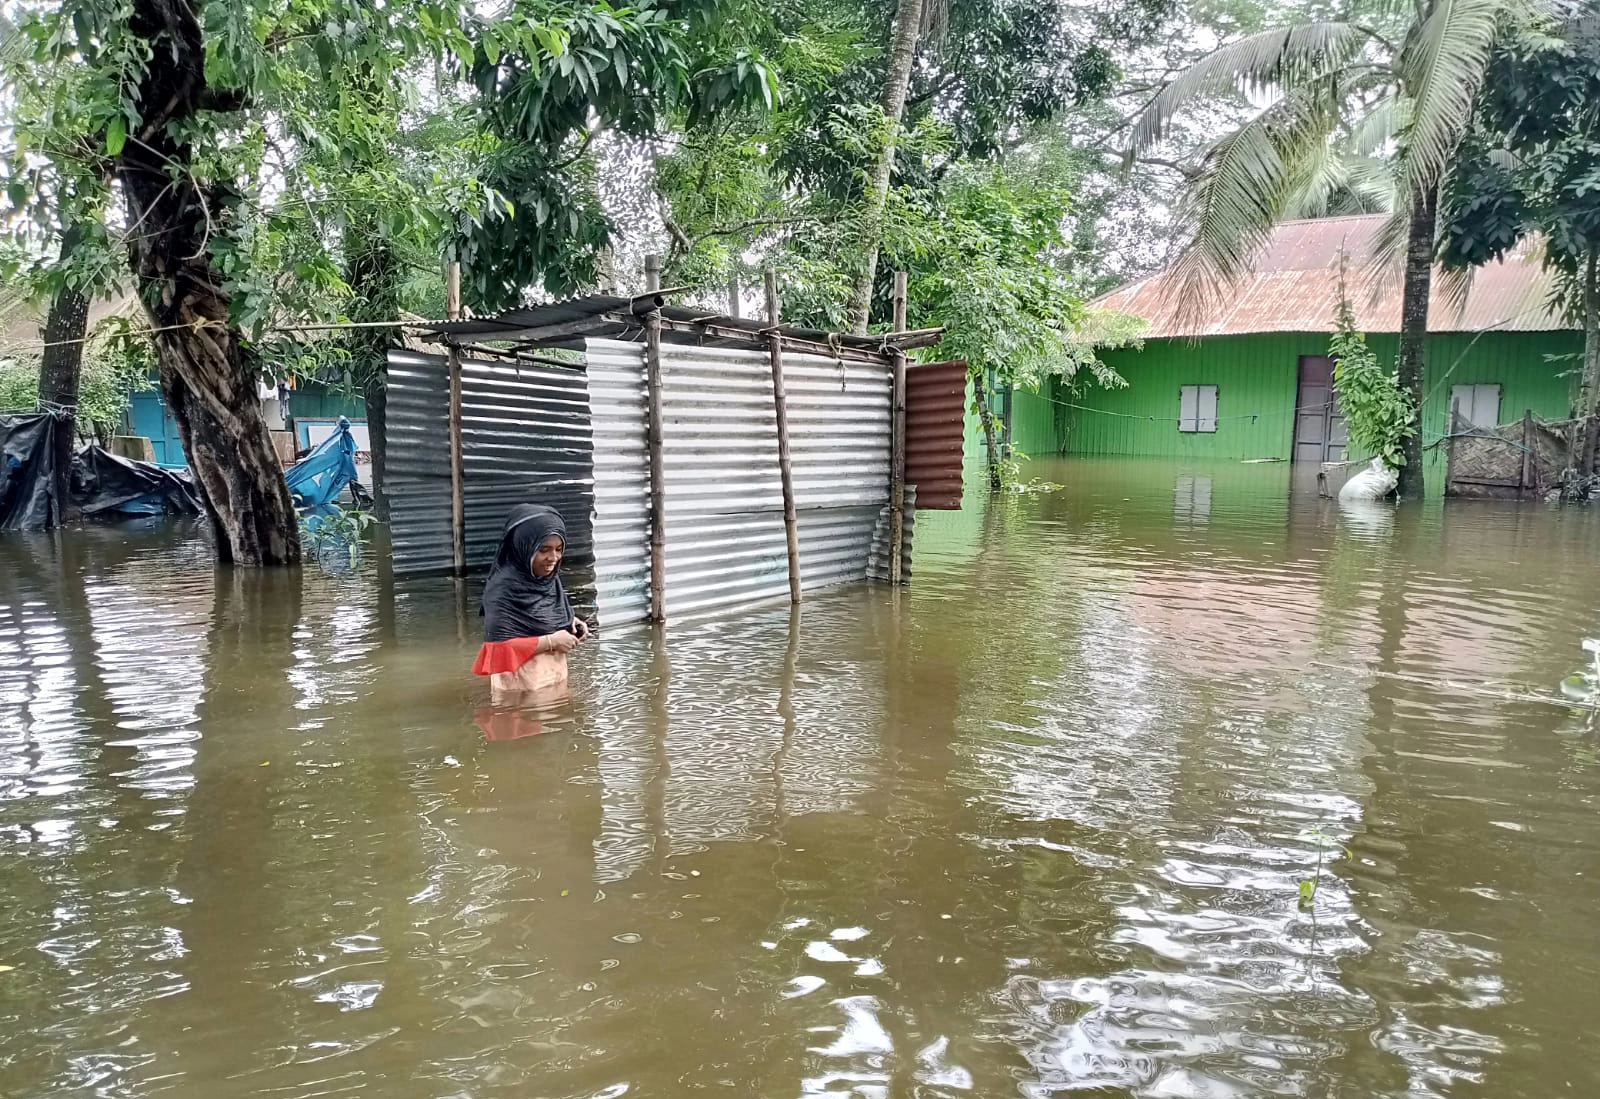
603 316
1293 286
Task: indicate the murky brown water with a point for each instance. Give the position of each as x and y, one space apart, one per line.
1035 827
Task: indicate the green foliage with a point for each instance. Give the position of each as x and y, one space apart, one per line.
117 361
334 534
1378 413
1533 163
978 251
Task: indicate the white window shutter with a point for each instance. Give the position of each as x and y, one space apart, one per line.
1486 406
1188 408
1207 416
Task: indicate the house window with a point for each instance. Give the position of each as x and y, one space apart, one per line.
1197 408
1477 405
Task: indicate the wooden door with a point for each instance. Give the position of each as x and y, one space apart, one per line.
1319 429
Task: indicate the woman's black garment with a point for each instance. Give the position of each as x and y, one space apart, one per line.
517 603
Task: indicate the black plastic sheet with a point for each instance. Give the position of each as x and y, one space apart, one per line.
106 484
27 471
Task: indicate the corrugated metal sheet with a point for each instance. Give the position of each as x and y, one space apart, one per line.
878 556
622 480
723 498
1294 287
936 406
525 439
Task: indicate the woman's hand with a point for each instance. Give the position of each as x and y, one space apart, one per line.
562 641
580 629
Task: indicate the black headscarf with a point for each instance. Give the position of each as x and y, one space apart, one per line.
517 603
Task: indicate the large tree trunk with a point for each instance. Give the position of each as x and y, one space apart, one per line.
1414 333
896 80
208 376
60 370
1588 434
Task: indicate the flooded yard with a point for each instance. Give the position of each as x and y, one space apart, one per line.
1040 824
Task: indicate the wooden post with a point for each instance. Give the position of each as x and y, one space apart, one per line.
733 296
780 406
897 441
658 489
458 480
1527 480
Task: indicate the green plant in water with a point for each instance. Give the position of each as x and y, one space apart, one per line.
1377 411
1327 846
334 529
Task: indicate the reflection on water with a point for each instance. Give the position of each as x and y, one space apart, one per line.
1037 825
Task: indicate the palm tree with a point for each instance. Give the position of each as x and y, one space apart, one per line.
1357 109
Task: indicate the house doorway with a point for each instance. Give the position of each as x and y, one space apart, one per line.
1319 429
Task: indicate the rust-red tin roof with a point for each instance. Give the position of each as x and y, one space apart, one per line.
1294 287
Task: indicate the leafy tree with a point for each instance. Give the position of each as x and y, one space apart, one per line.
170 101
550 79
1533 165
1379 414
1411 79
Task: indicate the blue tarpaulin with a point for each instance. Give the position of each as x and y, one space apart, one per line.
317 479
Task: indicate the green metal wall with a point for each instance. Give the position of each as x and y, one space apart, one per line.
319 401
1256 380
1033 423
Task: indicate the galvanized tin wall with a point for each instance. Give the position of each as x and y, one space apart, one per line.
723 495
525 439
621 480
417 474
839 445
555 436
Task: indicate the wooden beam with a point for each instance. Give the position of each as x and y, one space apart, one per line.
458 479
780 406
658 488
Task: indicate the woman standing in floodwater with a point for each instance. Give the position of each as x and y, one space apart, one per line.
529 625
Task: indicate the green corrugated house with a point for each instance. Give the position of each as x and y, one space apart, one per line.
1251 379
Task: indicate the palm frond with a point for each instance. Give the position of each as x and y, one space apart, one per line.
1379 126
1453 285
1442 65
1283 58
1245 182
1387 264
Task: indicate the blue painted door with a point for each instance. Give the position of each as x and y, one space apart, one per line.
148 416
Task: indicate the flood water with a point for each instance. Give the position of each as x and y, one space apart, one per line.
1036 826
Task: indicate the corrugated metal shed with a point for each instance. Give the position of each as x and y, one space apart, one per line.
1294 287
936 400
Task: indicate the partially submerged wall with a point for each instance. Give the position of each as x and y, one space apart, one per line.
576 439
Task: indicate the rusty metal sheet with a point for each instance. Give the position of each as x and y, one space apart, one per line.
1293 286
936 399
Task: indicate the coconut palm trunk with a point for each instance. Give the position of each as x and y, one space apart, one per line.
1415 295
